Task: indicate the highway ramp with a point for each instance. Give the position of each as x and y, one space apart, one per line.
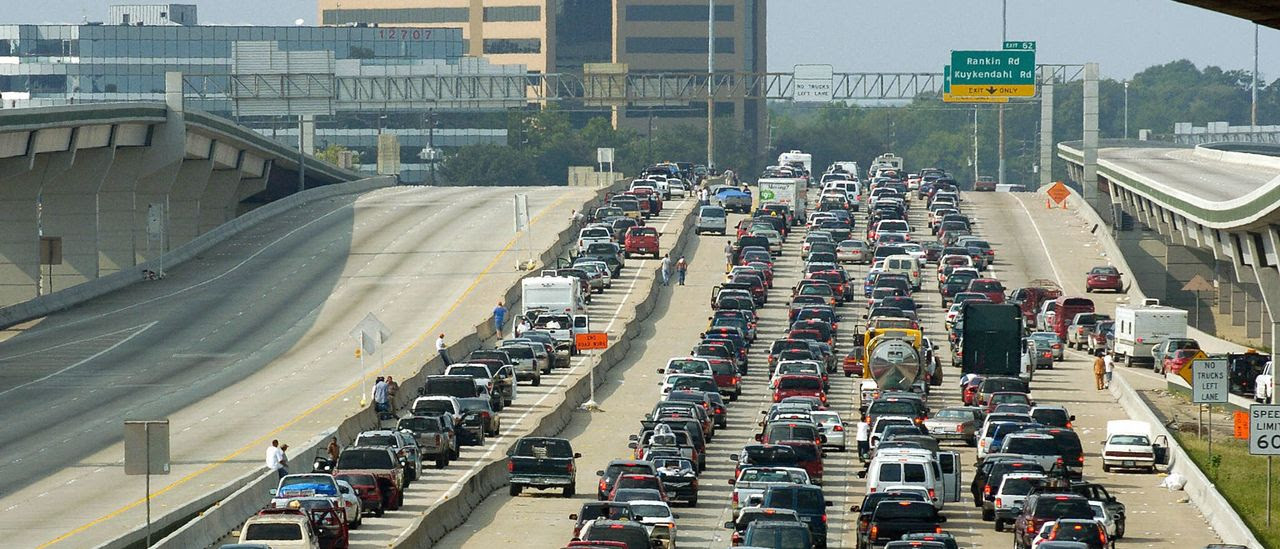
245 343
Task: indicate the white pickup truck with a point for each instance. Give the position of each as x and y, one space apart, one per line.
753 481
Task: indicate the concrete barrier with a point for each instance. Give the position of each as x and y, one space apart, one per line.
85 291
1217 512
203 522
455 506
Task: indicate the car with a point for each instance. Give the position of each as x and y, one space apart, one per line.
807 502
641 240
894 519
955 423
1088 531
631 534
437 441
750 515
832 428
1179 359
1167 347
1045 507
1010 494
1103 278
380 462
286 531
609 475
1048 340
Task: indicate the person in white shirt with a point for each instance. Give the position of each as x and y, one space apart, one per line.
864 439
443 350
276 459
1108 366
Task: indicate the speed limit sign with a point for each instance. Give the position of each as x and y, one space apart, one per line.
1264 430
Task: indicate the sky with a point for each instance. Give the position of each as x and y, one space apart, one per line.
1123 36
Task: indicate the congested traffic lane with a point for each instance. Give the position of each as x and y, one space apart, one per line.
246 343
532 402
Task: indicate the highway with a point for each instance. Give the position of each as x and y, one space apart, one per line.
1031 243
1183 170
246 343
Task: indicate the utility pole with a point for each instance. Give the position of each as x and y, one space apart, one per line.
975 144
711 74
1004 35
1126 109
1253 111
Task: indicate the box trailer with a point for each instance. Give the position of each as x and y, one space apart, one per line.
1140 328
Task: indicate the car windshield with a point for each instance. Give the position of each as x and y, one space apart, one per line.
1104 271
648 510
711 212
1051 416
686 367
420 424
268 531
892 408
365 459
376 440
601 249
1131 440
473 371
953 414
1019 486
809 383
544 448
1029 446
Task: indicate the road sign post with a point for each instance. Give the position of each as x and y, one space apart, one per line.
592 341
146 452
1209 386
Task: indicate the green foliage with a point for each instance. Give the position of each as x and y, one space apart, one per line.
332 153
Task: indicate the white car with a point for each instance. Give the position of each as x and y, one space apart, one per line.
593 235
600 267
1043 535
916 251
1107 520
832 427
657 518
351 502
1262 384
282 531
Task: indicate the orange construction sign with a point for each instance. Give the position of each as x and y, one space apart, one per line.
591 341
1058 193
1241 423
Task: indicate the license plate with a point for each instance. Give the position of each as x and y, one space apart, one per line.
1127 464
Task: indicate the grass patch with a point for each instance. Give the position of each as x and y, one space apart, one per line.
1242 479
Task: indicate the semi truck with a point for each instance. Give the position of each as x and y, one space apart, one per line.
1140 328
990 339
792 192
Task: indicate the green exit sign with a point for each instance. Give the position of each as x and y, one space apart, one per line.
1029 45
1006 67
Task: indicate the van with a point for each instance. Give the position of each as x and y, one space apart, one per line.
906 470
904 265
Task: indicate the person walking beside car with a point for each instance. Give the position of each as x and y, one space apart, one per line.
392 389
728 256
443 350
1108 366
333 450
681 268
380 395
499 318
276 459
666 269
864 439
1099 368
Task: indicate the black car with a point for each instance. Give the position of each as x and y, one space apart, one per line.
893 519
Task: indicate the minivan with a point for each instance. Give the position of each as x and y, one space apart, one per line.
898 469
904 265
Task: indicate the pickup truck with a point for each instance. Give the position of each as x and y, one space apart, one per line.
541 462
436 437
749 487
893 519
380 462
641 240
563 328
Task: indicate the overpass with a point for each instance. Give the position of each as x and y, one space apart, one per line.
1216 211
109 186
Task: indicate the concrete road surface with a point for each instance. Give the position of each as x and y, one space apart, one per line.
1030 244
243 344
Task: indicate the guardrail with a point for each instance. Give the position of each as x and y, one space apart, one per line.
210 518
85 291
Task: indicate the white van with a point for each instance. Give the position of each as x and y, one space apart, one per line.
905 265
905 468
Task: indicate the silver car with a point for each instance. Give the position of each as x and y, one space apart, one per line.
955 423
853 251
711 219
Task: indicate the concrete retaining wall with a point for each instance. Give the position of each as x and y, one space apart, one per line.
205 521
456 505
85 291
1220 515
1217 512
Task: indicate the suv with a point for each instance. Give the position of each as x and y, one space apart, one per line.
711 219
808 503
436 438
1042 508
386 468
403 444
641 240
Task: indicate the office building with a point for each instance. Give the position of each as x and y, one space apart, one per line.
49 65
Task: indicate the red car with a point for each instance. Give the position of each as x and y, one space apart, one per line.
969 393
1103 278
989 287
1175 362
635 480
798 385
728 380
641 240
810 454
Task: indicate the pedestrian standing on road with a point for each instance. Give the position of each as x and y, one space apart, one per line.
380 395
443 350
333 450
275 458
666 269
284 460
1099 369
523 326
392 389
728 255
864 439
499 318
1108 366
681 268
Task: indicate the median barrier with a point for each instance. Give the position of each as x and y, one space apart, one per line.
1217 512
455 506
203 522
85 291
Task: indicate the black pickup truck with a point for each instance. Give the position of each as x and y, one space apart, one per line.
893 519
539 462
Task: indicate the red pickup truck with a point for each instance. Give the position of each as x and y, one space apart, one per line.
640 240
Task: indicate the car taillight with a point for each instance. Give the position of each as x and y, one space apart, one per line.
986 490
874 530
824 518
937 530
511 466
932 494
1081 458
960 428
999 502
603 487
777 397
735 496
837 428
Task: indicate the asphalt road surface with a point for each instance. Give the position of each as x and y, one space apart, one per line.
1031 243
246 343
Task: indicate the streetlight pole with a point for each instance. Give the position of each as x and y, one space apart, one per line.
711 74
1126 109
1004 36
